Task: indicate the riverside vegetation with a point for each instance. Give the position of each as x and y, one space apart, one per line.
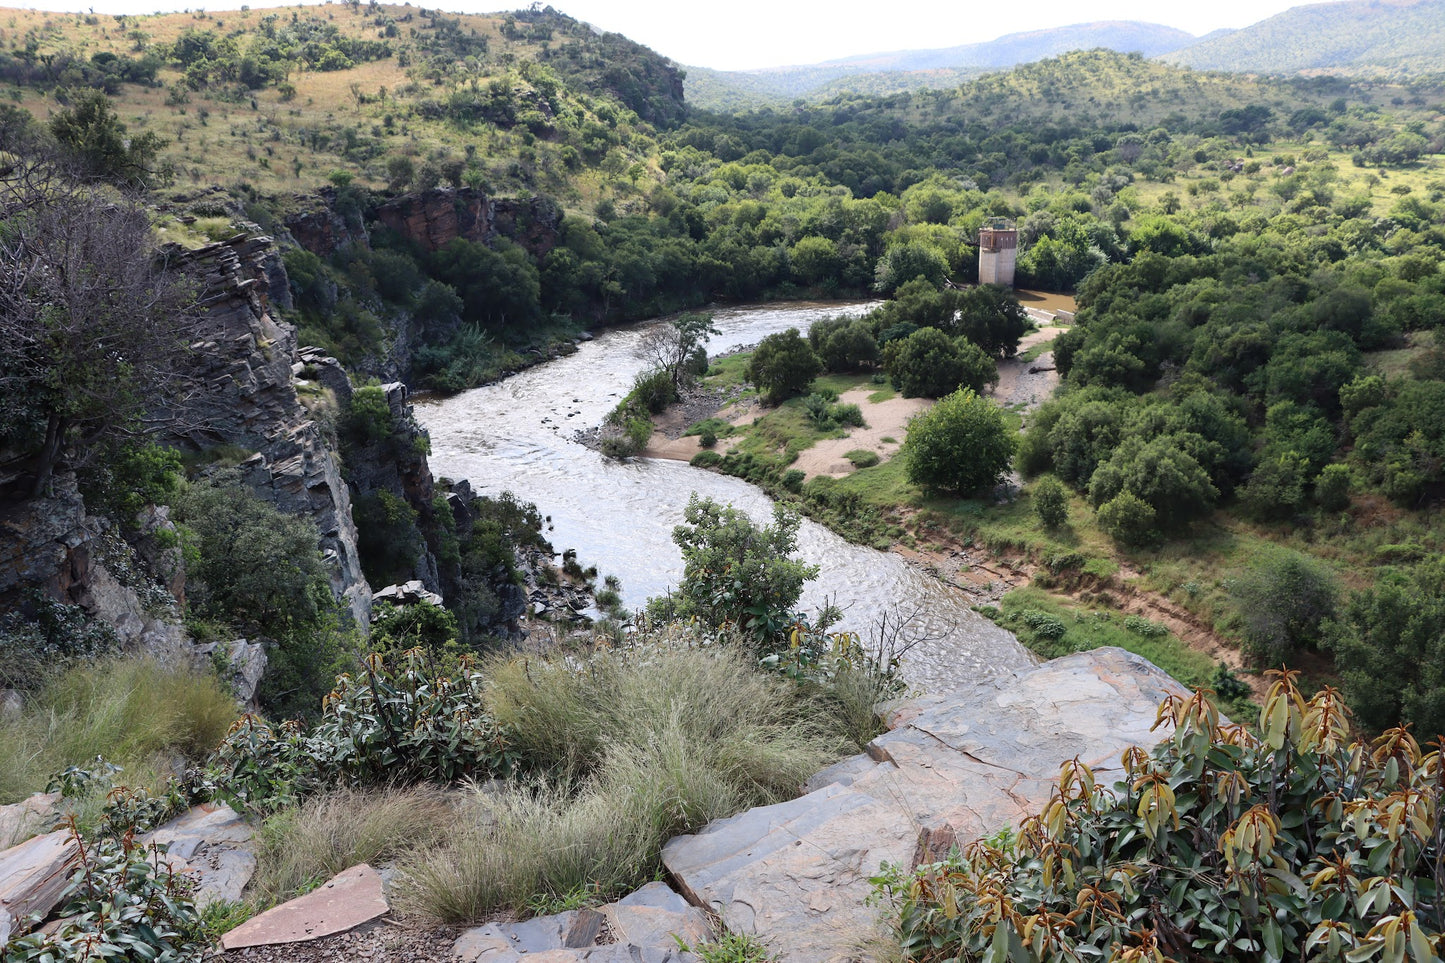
581 762
1247 425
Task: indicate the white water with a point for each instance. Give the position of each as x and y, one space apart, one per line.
517 435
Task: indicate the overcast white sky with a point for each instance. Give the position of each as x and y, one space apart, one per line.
742 34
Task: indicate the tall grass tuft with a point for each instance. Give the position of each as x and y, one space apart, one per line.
136 712
640 744
337 830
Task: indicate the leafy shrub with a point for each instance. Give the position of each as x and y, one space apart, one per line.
1051 503
387 536
849 415
706 459
1218 845
1332 488
43 636
1283 599
121 897
396 628
959 445
1389 649
736 573
1043 625
125 478
1129 520
707 438
402 720
1142 626
368 419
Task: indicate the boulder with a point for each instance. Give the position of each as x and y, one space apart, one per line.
31 816
649 926
954 767
214 846
33 876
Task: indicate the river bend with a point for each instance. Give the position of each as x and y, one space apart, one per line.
518 435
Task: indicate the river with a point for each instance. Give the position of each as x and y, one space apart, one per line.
518 435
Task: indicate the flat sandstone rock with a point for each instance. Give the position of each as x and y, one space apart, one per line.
957 767
344 902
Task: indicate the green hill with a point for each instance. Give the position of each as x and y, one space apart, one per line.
1381 37
886 73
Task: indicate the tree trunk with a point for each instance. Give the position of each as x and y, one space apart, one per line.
48 455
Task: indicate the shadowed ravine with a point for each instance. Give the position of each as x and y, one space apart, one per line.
517 436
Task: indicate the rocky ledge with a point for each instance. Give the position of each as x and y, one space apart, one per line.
953 766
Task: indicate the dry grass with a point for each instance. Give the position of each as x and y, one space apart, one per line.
136 713
638 746
332 832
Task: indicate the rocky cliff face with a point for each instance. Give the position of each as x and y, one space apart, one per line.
322 229
243 394
435 218
431 219
51 545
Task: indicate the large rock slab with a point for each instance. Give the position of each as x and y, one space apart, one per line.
342 903
213 845
643 927
961 765
31 816
33 875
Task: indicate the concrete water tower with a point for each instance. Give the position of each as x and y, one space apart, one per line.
998 248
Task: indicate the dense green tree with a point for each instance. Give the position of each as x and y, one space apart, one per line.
930 364
1284 600
1162 473
88 129
737 573
783 365
846 344
906 261
990 316
1390 651
961 445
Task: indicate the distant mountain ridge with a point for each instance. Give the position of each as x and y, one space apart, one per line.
1123 36
1390 38
889 72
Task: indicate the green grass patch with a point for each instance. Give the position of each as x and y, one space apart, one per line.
729 371
862 458
1051 627
1032 353
882 395
717 426
1395 362
136 713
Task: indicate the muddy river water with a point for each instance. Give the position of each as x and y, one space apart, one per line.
518 435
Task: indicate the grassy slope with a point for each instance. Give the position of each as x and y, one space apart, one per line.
280 145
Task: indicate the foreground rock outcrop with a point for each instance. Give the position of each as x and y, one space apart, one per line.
959 766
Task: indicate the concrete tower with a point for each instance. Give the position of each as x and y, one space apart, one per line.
998 248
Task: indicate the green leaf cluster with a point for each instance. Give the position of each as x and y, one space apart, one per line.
1218 844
